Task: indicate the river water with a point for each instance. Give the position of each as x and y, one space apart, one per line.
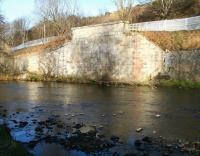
117 110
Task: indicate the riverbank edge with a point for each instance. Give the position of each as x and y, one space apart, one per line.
170 83
10 147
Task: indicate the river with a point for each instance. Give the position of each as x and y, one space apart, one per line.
167 112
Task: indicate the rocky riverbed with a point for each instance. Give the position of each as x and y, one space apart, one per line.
59 119
89 139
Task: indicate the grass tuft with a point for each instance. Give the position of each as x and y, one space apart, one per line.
179 84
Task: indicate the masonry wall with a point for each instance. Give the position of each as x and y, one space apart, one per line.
103 53
183 65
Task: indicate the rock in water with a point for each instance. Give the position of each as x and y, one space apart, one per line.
139 130
23 124
86 129
158 115
114 138
138 143
78 126
147 139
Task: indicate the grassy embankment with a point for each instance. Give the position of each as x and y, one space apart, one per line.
8 147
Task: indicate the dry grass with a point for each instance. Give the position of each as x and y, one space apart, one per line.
41 48
181 40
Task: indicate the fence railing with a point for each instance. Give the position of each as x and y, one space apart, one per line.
34 43
192 23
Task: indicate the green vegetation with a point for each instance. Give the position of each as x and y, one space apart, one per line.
186 84
72 79
179 84
34 77
8 147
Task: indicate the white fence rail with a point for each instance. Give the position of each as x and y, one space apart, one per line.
34 43
192 23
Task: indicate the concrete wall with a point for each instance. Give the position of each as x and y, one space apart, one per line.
119 57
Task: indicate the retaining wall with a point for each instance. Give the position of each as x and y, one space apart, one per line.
110 53
105 52
183 65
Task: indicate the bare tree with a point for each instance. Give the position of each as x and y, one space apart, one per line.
57 12
18 31
163 6
1 16
1 21
22 25
2 28
125 9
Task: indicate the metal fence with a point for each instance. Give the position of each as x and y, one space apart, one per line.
192 23
34 43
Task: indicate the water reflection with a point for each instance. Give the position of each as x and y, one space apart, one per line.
179 109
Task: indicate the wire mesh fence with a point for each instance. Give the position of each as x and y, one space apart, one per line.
34 43
192 23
